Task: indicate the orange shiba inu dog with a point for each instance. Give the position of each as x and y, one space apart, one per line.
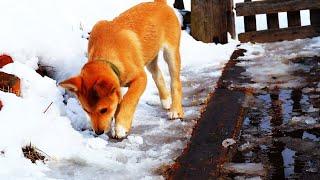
118 51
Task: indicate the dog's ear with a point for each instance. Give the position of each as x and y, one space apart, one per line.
73 84
103 88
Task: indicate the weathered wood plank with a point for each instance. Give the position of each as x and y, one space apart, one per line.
273 21
315 17
250 23
231 19
274 6
294 18
273 35
209 21
222 119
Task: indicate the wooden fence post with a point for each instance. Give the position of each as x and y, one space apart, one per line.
250 22
315 17
178 4
250 9
273 21
209 20
294 18
231 19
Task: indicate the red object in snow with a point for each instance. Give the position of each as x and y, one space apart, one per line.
1 105
4 60
10 83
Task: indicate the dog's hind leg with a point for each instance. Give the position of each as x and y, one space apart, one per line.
160 83
172 57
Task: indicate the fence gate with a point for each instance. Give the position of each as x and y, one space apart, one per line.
271 8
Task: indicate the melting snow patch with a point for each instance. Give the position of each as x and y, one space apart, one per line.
312 109
228 142
303 119
260 61
135 139
246 168
247 178
246 146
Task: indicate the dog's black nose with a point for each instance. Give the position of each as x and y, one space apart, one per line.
99 132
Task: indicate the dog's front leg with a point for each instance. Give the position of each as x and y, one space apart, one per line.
128 105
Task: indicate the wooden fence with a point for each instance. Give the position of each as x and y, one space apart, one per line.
271 8
211 20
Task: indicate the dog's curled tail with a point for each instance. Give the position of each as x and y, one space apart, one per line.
161 1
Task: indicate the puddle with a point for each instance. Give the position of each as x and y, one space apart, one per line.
288 161
281 128
309 136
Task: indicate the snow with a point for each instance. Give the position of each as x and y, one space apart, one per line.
288 161
267 56
52 33
228 142
246 168
246 146
305 119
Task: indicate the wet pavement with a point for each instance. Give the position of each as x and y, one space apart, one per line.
281 128
277 128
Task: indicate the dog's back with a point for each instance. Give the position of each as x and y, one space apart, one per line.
154 25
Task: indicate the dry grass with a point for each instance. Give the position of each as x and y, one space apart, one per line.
34 154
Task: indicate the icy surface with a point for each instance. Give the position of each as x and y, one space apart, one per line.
246 168
269 64
228 142
281 121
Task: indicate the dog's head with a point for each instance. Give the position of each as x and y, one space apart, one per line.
98 90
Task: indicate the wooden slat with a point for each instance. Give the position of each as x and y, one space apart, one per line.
275 6
315 17
231 19
273 21
294 18
222 118
273 35
250 22
209 21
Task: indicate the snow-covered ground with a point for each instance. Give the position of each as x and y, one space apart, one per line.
269 65
52 33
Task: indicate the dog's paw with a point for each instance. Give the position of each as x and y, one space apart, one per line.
120 132
175 115
166 103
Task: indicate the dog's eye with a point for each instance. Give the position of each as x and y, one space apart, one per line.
104 110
